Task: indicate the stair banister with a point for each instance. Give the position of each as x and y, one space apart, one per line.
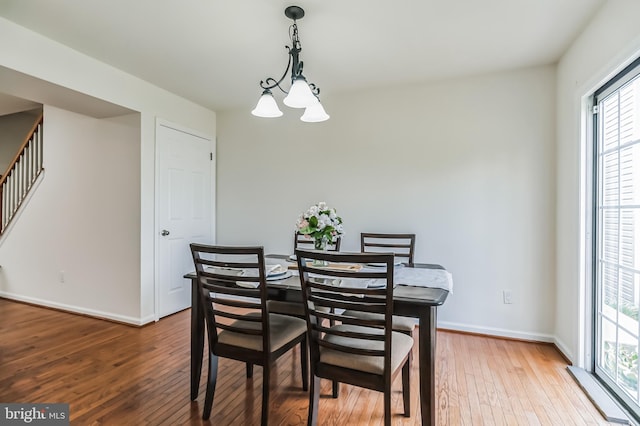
21 174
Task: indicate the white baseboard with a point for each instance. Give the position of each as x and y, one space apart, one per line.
564 349
79 310
446 325
148 319
498 332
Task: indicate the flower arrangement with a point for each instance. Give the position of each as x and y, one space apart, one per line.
321 223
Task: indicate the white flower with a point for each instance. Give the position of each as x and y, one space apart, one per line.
320 222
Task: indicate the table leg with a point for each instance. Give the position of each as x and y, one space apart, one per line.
197 339
427 354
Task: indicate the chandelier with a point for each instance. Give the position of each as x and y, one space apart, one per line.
301 94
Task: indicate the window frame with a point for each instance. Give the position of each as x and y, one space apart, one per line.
629 73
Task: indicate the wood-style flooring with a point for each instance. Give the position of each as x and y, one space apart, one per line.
114 374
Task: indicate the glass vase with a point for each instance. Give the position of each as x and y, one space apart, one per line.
320 244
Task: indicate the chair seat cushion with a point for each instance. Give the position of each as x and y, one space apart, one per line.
282 330
398 323
401 345
289 308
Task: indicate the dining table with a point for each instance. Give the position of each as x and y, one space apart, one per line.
420 288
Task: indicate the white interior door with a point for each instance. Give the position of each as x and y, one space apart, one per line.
184 211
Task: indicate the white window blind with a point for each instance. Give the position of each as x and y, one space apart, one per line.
617 254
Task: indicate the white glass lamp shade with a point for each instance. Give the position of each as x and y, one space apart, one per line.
314 113
300 95
267 106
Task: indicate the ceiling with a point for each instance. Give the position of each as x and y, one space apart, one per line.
10 104
215 52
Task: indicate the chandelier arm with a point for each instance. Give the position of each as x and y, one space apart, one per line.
270 82
314 89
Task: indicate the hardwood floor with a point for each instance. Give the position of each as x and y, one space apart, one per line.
113 374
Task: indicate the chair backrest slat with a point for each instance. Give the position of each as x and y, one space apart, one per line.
363 305
346 272
225 276
354 351
244 292
401 245
222 264
233 316
241 330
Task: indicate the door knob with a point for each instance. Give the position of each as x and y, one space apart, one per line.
164 233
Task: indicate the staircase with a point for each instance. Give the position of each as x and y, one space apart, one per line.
21 174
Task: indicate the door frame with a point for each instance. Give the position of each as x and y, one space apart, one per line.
590 338
157 189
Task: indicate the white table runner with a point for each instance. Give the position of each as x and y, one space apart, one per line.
422 277
417 277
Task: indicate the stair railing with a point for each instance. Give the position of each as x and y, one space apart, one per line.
21 174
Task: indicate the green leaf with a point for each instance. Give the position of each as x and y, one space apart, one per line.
305 231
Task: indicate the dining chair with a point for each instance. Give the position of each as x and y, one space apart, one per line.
295 308
232 282
305 242
361 352
401 245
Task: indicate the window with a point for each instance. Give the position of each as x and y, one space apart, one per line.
617 231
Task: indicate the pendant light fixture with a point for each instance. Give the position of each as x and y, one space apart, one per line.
301 94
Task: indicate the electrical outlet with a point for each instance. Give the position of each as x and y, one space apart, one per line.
61 277
507 297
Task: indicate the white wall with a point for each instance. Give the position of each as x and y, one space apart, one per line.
611 40
467 164
83 218
33 55
14 128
